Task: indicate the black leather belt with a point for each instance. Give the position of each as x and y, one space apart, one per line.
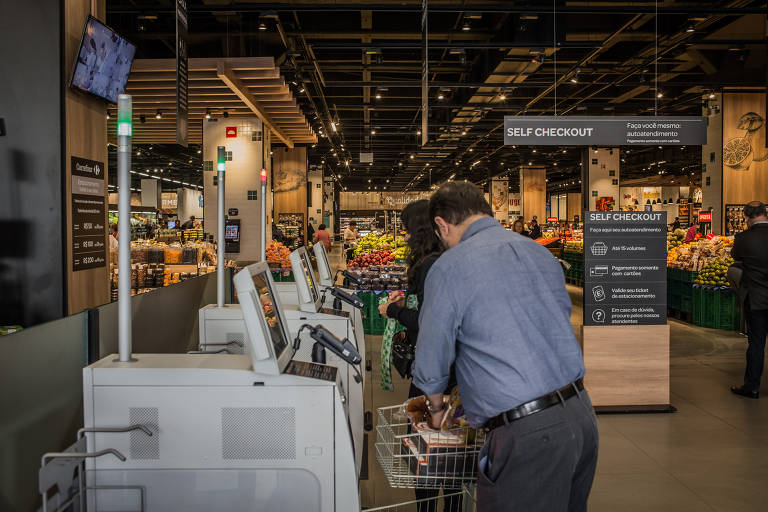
535 405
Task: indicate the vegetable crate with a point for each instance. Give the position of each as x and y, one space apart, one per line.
416 456
373 322
466 495
716 308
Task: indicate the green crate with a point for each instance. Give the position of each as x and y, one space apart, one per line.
674 301
373 322
709 296
696 305
675 287
686 290
686 304
673 274
688 276
727 311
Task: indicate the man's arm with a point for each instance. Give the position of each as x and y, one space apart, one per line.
439 321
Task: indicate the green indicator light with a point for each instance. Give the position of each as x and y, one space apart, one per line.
221 155
124 109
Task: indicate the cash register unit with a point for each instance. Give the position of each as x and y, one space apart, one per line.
229 432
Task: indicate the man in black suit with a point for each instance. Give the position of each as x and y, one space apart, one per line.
750 249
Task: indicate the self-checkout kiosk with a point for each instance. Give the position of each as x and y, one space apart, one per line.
226 325
252 432
290 294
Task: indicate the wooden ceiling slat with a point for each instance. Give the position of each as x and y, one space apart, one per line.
152 84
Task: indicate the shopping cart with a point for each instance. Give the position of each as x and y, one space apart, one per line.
468 502
415 456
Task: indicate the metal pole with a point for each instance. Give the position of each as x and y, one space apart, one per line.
264 214
221 154
124 133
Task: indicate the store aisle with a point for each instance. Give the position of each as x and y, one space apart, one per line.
711 455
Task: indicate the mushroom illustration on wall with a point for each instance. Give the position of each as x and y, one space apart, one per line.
738 152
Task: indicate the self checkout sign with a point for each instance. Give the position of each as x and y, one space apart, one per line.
625 268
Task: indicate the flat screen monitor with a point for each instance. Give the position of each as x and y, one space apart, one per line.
232 232
171 224
306 283
264 318
103 62
323 265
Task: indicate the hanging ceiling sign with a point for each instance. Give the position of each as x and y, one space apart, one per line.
604 131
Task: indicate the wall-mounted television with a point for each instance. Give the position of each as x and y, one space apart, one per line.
103 62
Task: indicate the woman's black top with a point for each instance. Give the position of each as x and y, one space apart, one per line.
410 317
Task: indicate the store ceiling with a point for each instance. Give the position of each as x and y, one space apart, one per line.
360 64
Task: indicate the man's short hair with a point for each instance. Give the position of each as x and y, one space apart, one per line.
191 217
321 227
353 223
755 209
457 201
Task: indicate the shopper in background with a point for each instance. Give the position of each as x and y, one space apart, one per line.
311 229
113 238
519 228
425 248
535 230
750 250
322 235
518 364
675 224
350 238
277 234
690 235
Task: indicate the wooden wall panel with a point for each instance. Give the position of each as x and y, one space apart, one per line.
86 137
289 182
574 205
533 191
627 365
746 180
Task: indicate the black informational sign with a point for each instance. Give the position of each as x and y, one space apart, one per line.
89 230
182 73
625 268
604 131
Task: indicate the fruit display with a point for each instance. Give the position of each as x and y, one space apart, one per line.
376 242
696 255
675 239
190 253
545 241
278 255
382 277
401 253
383 257
714 273
574 246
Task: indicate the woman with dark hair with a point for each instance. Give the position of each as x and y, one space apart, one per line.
519 228
425 248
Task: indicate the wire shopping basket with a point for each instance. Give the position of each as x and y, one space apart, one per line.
416 456
467 496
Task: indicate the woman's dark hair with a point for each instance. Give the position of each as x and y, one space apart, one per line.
353 223
321 227
456 201
520 223
422 241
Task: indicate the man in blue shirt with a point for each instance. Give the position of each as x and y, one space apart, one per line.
495 305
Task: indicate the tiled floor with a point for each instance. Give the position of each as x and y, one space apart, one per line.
711 455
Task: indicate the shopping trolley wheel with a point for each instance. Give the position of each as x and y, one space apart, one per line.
368 421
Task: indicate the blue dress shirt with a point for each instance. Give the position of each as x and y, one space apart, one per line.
497 306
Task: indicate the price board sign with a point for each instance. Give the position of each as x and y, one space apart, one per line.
625 268
89 230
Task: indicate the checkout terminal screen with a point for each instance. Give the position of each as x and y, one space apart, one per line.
276 331
308 275
325 262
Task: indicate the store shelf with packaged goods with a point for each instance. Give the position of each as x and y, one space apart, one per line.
157 264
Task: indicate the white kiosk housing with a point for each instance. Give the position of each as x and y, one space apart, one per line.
229 432
225 324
